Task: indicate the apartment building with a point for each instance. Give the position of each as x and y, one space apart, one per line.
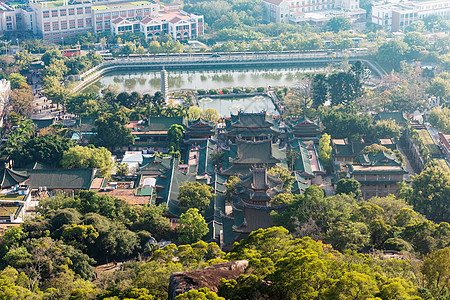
397 16
315 12
179 24
59 19
56 20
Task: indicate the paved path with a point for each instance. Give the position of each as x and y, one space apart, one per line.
42 108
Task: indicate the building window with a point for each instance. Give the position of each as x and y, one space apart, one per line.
9 26
138 11
107 23
71 11
79 10
123 13
107 14
98 15
146 9
131 12
62 13
115 13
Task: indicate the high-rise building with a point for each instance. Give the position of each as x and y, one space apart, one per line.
164 84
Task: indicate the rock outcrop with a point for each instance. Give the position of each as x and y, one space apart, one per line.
181 282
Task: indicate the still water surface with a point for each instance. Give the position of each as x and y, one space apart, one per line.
149 81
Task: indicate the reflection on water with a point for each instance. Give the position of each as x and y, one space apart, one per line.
149 81
225 106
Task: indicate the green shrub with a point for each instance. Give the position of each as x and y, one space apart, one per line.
201 92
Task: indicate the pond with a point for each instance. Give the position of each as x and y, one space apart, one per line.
226 106
149 81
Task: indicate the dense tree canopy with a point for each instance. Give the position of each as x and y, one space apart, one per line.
195 195
430 194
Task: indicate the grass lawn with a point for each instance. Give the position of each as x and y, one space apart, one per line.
442 163
428 142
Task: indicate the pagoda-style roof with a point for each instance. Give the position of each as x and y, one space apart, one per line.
305 127
200 124
259 179
299 185
155 166
253 132
379 159
377 163
254 153
11 178
200 129
168 186
259 187
54 179
343 148
251 120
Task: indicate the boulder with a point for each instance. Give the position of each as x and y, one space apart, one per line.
181 282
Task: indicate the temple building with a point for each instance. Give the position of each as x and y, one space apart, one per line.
251 154
199 130
153 136
251 127
378 174
306 129
306 163
252 203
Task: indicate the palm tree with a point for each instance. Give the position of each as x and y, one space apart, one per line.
170 111
180 110
157 111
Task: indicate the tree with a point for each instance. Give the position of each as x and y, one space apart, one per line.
339 23
439 87
435 23
386 129
436 269
325 149
194 113
195 195
440 118
319 90
344 87
291 157
429 196
57 69
349 236
175 137
47 149
17 81
210 114
391 53
285 176
51 55
415 39
192 226
111 130
21 101
23 59
87 157
347 186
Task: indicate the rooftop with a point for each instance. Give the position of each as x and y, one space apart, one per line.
121 4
